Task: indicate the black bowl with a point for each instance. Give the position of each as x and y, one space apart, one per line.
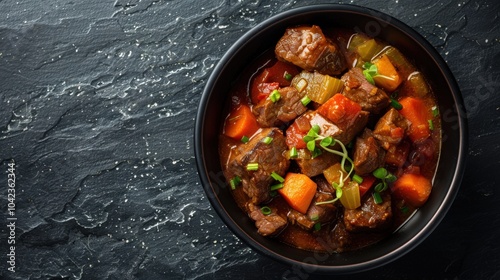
451 161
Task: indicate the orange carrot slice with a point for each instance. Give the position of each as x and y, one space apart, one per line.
298 190
413 188
240 122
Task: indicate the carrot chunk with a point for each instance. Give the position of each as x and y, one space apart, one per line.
298 190
413 188
418 114
387 77
240 122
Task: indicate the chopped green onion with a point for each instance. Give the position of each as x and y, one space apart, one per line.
275 96
405 209
266 210
377 198
358 179
267 140
314 217
277 177
287 76
252 166
396 104
234 182
380 173
305 100
317 226
245 139
276 187
431 124
435 111
294 153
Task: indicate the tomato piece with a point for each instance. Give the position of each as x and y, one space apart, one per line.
295 136
366 184
271 78
340 110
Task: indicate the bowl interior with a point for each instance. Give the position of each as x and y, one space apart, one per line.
264 36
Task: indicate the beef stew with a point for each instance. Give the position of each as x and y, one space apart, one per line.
321 130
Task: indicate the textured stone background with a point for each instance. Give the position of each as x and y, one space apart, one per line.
98 100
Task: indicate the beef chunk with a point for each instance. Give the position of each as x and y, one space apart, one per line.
286 109
322 213
396 155
358 89
267 225
315 214
370 216
297 218
355 127
339 240
314 166
323 185
308 48
390 129
270 158
368 154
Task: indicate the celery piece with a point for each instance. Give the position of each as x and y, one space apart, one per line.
351 198
355 40
369 49
419 86
335 174
398 59
319 88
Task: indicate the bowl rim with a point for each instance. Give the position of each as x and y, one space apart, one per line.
451 193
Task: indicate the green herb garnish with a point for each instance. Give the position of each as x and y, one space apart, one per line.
371 71
252 166
275 96
386 177
277 177
234 182
266 210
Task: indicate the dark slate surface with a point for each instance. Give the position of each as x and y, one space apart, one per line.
98 100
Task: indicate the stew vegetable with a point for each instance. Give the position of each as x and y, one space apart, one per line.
331 139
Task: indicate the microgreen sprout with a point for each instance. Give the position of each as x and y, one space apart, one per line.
371 71
326 143
385 177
